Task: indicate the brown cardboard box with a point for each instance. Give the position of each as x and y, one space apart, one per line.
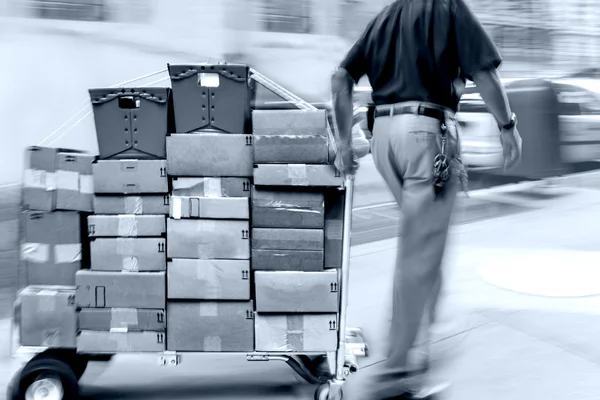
208 239
208 279
47 317
296 332
211 187
51 247
129 254
145 204
103 342
334 227
121 289
74 182
289 122
287 260
210 207
210 154
296 292
297 175
287 239
204 326
126 225
130 176
130 319
287 209
289 149
41 179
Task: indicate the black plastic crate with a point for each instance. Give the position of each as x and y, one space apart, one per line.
211 97
133 122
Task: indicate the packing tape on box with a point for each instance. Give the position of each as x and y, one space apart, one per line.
134 205
86 184
34 178
294 335
206 245
127 225
118 330
212 343
213 187
334 229
176 202
35 252
123 317
130 264
208 274
67 180
51 181
122 340
297 174
67 253
208 309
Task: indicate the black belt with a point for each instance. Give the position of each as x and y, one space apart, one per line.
397 109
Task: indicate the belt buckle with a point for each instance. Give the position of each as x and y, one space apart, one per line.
421 110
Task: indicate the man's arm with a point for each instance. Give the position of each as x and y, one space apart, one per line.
342 88
493 94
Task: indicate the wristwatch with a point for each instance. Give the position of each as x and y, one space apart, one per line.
510 125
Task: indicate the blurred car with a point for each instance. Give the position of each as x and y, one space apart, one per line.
579 120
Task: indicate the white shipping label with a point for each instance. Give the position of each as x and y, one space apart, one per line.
35 252
209 80
51 181
67 253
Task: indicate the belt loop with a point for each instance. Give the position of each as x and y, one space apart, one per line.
392 107
420 109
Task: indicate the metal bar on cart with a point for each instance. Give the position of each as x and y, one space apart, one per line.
342 356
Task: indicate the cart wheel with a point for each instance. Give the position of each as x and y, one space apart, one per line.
47 379
322 393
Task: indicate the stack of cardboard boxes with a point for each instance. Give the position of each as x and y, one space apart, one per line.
296 290
57 194
210 163
225 236
122 297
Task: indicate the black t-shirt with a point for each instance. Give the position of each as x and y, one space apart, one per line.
414 50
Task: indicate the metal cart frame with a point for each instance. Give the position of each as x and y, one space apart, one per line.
57 371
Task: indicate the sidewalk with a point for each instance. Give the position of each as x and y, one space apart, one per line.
504 344
508 333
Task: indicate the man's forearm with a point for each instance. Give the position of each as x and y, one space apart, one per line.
493 94
342 87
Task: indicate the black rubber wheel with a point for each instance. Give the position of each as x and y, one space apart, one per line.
51 378
322 393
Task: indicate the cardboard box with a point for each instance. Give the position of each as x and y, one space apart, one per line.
208 279
126 225
296 332
121 289
57 179
210 207
47 316
296 175
287 209
289 122
129 254
51 247
208 239
130 319
287 239
334 227
74 182
211 187
296 292
102 342
211 326
138 205
130 176
210 154
287 260
288 149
